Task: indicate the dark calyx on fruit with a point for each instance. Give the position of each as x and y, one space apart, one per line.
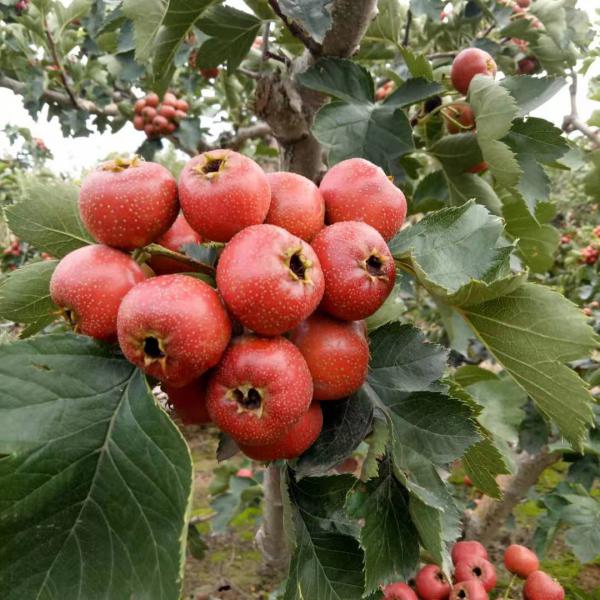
248 398
153 348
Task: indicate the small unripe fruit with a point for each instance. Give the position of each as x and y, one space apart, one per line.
459 117
270 279
398 591
520 560
177 236
468 549
189 401
152 99
540 586
295 442
89 284
259 390
467 64
468 590
222 192
128 203
296 205
167 111
478 569
358 268
336 352
357 190
432 584
174 327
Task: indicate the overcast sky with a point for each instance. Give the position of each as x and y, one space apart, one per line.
71 155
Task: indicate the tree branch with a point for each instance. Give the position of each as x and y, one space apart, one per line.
406 37
572 121
235 142
296 30
53 97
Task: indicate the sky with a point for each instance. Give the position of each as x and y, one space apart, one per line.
73 155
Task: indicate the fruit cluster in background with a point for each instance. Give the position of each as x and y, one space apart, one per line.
157 118
474 577
257 341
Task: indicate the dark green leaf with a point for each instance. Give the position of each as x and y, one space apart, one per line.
537 137
431 193
531 92
483 463
98 479
413 90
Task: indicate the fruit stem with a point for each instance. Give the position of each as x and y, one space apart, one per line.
161 251
510 584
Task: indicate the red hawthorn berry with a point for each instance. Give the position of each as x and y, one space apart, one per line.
295 442
182 105
245 473
589 254
296 205
174 327
170 99
177 236
384 90
347 466
476 568
524 3
432 583
467 64
461 113
149 130
88 285
222 192
587 311
520 560
518 11
468 590
139 106
358 268
148 112
398 591
540 586
596 231
357 190
128 203
467 481
270 279
160 122
527 65
467 549
209 73
138 122
179 116
152 100
478 168
336 352
522 45
259 390
189 401
171 127
565 239
167 111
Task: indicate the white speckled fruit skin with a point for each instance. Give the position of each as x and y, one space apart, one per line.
350 293
296 205
357 190
92 281
128 209
219 206
186 314
256 284
273 365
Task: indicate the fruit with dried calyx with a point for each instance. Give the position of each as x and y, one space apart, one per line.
468 63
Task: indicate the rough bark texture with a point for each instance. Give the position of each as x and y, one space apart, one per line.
289 110
487 519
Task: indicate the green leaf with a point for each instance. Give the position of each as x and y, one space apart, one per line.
97 481
533 332
452 247
483 463
231 33
377 442
493 106
531 92
380 133
501 162
537 243
25 294
47 217
457 153
582 515
313 15
534 186
341 78
413 90
431 193
345 425
467 186
538 138
327 562
388 536
417 64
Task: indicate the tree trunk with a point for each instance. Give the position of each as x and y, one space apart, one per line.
487 519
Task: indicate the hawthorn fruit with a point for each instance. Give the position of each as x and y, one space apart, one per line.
467 64
540 586
459 117
476 568
467 549
189 401
468 590
399 591
432 584
520 560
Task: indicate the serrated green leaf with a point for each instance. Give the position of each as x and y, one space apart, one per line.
467 186
501 162
413 90
538 138
417 64
431 193
388 536
340 78
531 92
377 442
493 106
327 562
25 294
48 217
313 15
96 476
380 133
457 153
483 463
533 332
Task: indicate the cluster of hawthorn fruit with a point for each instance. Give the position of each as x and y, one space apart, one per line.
475 576
157 118
282 330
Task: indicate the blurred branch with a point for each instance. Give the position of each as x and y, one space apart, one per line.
573 122
260 130
296 30
405 39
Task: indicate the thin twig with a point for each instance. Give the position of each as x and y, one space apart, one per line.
202 518
61 70
278 57
572 120
248 73
488 31
409 17
296 30
265 41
